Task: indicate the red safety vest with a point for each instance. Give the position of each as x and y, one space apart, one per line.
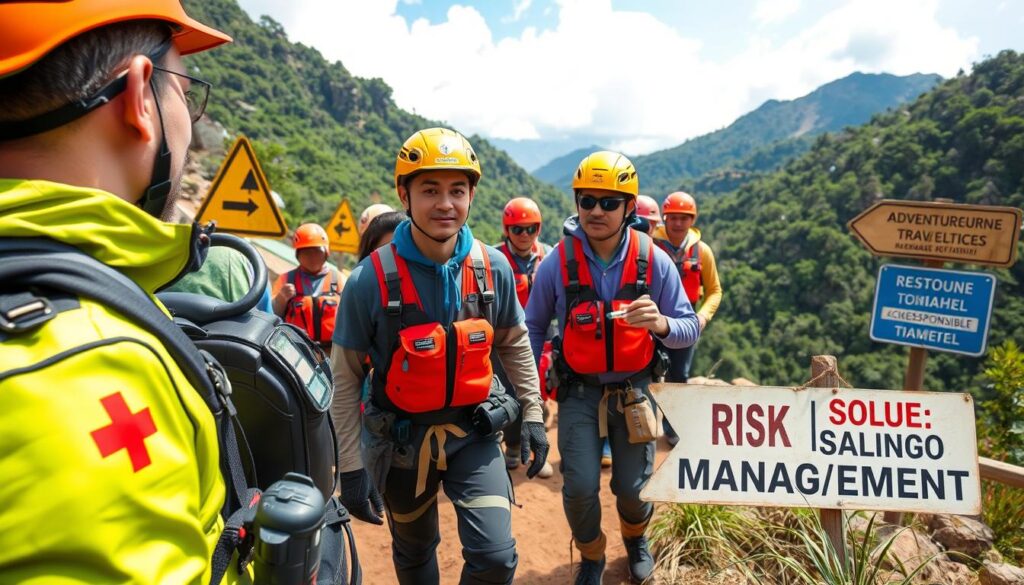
433 367
524 280
315 313
592 343
687 262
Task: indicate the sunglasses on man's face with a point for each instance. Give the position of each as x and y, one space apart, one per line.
589 202
518 230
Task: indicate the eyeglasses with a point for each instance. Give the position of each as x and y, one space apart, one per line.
518 230
589 202
196 96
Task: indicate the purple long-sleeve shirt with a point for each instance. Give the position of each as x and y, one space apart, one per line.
548 297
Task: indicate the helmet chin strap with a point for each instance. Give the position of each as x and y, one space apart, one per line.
154 199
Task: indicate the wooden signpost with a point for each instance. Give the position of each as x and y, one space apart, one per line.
946 232
937 232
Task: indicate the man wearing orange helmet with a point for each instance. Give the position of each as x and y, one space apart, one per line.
521 221
430 310
111 462
696 265
308 295
616 296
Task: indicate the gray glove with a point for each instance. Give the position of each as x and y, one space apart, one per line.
360 496
534 439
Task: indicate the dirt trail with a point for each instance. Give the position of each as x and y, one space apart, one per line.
539 527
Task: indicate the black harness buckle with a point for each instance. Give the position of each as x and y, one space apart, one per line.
24 311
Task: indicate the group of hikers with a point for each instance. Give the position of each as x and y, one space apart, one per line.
437 342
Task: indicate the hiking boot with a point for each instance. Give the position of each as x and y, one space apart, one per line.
606 454
512 456
589 572
641 563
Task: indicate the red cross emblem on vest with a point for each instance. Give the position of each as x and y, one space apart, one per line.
127 430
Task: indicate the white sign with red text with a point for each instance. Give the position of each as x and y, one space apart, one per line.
820 448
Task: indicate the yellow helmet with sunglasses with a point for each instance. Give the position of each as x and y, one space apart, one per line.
607 170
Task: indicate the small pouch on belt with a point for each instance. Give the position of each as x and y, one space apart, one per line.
641 423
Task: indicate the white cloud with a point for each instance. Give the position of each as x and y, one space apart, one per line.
622 74
774 11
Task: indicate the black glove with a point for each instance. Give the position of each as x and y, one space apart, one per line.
534 439
361 497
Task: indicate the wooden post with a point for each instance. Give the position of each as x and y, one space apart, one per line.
913 380
831 519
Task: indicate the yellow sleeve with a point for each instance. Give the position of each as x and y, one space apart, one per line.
110 459
709 280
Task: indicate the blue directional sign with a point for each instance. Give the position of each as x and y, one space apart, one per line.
944 310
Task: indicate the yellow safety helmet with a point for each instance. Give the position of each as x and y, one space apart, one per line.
607 170
436 149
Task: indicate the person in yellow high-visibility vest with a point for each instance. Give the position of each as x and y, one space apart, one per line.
111 464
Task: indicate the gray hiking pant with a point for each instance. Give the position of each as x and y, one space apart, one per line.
478 485
580 446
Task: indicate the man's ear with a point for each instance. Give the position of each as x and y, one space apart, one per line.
403 197
139 113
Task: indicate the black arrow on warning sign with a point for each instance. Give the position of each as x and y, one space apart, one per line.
248 206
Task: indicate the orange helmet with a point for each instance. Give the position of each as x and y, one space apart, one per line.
647 208
31 29
679 202
310 235
521 210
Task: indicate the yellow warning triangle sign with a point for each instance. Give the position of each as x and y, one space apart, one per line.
341 231
239 199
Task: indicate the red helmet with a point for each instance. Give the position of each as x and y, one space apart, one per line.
679 202
520 210
310 235
647 208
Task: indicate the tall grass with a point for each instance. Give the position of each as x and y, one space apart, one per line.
773 546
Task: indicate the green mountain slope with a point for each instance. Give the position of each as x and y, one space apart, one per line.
849 101
559 171
762 140
322 134
797 283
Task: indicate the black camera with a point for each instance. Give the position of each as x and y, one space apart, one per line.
495 413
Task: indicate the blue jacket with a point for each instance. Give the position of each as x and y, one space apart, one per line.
548 297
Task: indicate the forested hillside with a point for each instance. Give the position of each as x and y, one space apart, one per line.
322 134
761 141
797 283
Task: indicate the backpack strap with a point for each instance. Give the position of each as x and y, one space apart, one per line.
575 271
643 262
480 265
68 270
694 257
296 280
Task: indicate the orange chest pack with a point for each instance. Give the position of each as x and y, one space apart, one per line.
592 343
433 367
314 310
524 280
687 261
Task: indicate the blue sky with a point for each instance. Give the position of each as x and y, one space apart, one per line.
635 75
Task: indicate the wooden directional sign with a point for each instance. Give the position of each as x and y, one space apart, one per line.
341 231
819 447
949 232
239 199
